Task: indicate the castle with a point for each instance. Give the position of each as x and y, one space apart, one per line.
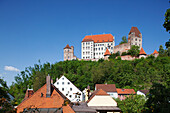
95 47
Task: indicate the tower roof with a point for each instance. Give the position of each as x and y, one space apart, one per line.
155 52
107 52
99 38
142 52
135 29
67 47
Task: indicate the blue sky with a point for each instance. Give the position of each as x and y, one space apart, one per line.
39 29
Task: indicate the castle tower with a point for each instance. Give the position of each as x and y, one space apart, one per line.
107 54
68 52
155 53
142 53
135 37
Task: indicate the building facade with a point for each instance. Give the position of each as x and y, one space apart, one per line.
94 46
69 53
68 89
134 38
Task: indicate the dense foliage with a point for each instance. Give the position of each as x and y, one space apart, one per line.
124 40
137 74
167 20
132 104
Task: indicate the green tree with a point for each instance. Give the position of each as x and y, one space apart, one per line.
6 106
167 44
159 99
161 50
124 40
134 50
132 104
167 20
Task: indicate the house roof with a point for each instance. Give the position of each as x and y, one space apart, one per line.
125 91
155 52
144 91
114 108
99 38
83 108
67 47
97 92
142 52
106 87
39 100
135 30
107 52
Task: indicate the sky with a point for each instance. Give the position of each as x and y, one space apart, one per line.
32 30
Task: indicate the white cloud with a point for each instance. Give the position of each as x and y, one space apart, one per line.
10 68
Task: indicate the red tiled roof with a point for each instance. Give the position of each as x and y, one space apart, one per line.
155 52
67 47
107 52
97 92
135 29
125 91
142 52
39 100
99 38
106 87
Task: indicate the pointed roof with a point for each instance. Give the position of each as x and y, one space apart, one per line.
155 52
135 29
99 38
67 47
107 52
142 52
97 92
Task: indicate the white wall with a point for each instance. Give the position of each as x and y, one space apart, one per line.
99 100
69 89
113 94
140 93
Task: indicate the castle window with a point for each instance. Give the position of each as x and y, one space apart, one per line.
102 48
70 96
57 82
139 40
135 43
99 48
136 39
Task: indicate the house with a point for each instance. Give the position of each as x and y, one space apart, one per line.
68 89
142 92
46 99
69 53
103 102
108 88
94 46
123 93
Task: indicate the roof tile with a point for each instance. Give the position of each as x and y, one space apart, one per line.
99 38
106 87
125 91
135 29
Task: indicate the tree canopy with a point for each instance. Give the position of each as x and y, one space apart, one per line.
136 74
124 40
167 20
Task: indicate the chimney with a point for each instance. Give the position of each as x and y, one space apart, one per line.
51 81
48 84
56 79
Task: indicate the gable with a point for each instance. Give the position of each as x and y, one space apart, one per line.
100 100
